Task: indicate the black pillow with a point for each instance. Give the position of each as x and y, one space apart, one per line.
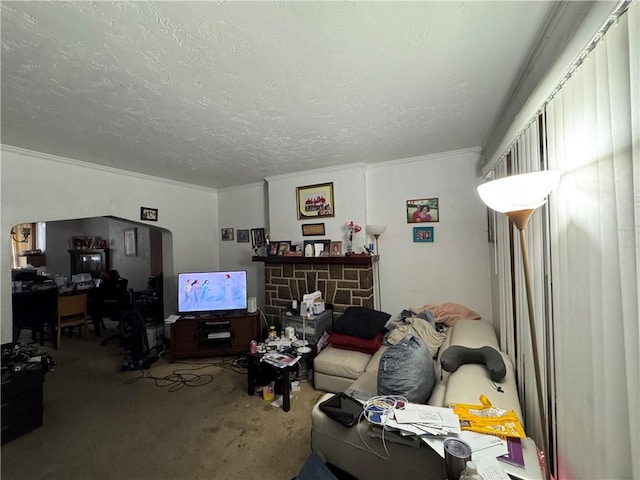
361 322
457 355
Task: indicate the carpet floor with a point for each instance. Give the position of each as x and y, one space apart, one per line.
183 420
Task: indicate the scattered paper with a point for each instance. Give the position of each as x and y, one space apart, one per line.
171 319
490 469
277 402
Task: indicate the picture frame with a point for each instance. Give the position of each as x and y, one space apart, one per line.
243 236
315 201
283 248
227 234
311 229
295 250
273 248
423 234
336 249
257 237
130 242
149 214
321 248
423 210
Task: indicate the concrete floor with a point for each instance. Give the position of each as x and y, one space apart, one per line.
103 424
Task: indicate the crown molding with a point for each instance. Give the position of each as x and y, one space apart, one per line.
102 168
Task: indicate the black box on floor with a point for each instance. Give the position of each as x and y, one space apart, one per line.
22 394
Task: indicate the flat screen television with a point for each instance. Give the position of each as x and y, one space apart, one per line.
219 291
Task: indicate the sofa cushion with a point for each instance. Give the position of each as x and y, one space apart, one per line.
470 381
365 387
341 363
474 334
349 342
374 363
406 369
361 322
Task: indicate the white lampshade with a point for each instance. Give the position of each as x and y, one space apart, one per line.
519 192
376 229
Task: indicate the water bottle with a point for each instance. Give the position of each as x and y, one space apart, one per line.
471 472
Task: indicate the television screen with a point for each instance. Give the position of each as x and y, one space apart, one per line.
212 291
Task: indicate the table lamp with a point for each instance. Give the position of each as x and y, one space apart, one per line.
517 197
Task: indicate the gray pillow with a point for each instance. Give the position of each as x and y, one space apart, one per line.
406 369
457 355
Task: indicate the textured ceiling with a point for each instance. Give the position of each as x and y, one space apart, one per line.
226 93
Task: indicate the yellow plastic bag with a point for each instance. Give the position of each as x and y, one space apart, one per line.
488 419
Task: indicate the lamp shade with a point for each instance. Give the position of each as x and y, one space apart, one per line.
519 192
376 229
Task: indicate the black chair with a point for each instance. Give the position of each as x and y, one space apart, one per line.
112 299
34 309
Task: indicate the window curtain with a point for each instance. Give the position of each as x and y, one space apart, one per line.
524 156
593 125
584 249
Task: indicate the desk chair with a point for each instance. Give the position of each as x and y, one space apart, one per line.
34 309
114 298
72 312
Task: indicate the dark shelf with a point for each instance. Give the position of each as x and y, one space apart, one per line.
350 260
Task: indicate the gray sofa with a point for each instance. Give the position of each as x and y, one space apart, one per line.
360 453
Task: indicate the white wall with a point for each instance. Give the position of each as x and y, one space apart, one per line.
243 208
455 267
349 202
38 187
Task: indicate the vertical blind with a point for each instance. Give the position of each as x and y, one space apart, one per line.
585 263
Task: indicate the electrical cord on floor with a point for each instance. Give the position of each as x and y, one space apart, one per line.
185 376
175 381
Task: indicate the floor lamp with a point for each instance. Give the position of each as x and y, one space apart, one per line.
517 197
376 231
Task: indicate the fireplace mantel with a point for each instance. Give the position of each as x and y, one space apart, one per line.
343 260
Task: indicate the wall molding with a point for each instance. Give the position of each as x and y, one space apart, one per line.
96 166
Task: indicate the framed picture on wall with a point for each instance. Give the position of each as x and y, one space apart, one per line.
423 210
257 237
149 214
243 236
227 234
130 241
310 229
423 234
315 201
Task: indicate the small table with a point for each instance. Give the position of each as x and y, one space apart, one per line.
255 364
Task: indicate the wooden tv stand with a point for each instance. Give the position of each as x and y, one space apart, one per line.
210 334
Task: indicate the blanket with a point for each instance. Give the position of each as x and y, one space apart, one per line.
448 313
421 328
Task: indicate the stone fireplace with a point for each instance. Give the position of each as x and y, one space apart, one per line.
343 282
